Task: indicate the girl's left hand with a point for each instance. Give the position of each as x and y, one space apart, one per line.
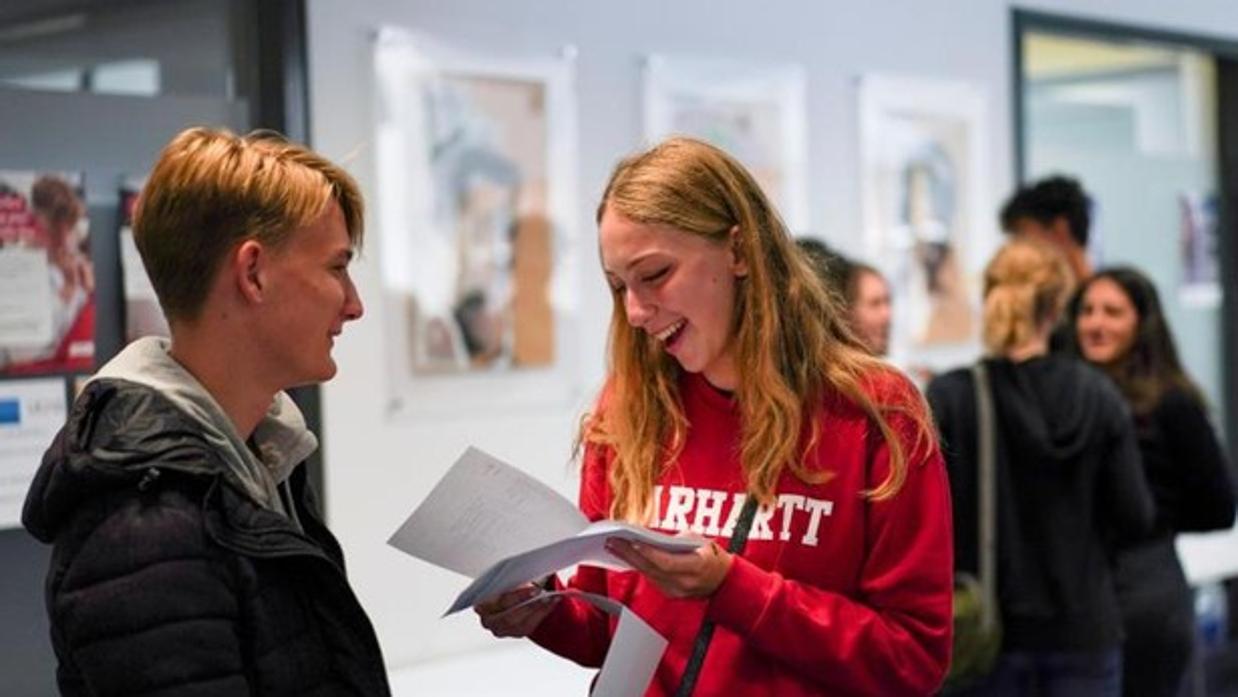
695 574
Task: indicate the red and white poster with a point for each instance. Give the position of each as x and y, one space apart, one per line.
47 280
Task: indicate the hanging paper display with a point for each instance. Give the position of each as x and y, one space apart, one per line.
47 279
928 221
475 212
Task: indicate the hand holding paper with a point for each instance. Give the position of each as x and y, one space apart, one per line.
695 575
487 520
516 613
634 650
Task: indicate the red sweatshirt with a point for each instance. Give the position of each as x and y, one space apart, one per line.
833 595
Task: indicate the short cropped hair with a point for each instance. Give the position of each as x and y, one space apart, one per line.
212 189
1050 198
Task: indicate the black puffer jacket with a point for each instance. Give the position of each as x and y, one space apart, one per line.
165 579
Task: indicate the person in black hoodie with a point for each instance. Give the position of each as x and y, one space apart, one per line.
1121 328
189 556
1068 484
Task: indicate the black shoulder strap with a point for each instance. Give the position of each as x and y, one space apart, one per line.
739 537
986 452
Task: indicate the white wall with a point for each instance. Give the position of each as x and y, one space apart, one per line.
376 471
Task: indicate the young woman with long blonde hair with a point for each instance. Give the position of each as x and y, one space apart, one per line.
1068 486
732 376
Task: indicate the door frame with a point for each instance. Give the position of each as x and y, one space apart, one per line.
1225 52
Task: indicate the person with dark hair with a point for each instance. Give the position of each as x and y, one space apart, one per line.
862 288
833 268
1068 484
1057 210
1120 327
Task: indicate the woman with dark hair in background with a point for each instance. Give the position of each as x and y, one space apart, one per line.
868 307
862 288
1067 483
1120 327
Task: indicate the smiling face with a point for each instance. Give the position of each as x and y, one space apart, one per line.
1107 322
870 313
311 297
678 288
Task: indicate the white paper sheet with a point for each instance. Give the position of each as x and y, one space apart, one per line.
488 520
31 412
25 298
635 649
586 547
481 511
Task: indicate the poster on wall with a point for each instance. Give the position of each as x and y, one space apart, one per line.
1198 250
143 317
47 280
926 213
755 112
475 213
31 412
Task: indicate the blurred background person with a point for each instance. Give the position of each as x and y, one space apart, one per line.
1056 210
1068 483
832 267
862 288
60 213
1121 328
868 306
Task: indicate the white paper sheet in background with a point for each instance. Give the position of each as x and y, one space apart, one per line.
757 112
25 298
31 412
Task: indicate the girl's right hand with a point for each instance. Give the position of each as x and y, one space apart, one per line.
498 616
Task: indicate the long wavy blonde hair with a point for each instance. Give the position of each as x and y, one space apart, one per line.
791 342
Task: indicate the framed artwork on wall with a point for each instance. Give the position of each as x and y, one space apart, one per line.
927 216
1199 249
756 112
475 210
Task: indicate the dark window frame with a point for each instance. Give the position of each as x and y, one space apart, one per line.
282 103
